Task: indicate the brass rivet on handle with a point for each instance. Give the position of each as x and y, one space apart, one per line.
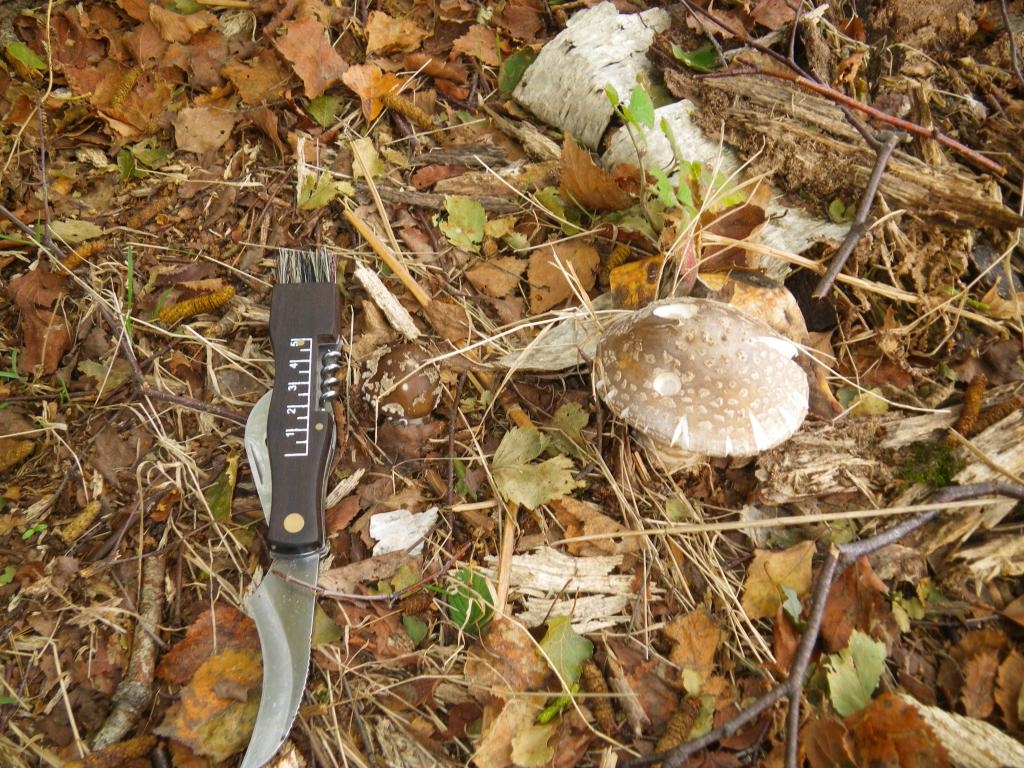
294 522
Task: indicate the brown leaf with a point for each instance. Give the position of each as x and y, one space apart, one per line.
890 732
770 571
481 43
857 601
1009 688
826 743
785 641
259 80
548 284
644 684
45 334
497 278
495 747
385 34
695 639
774 13
203 129
507 659
369 83
523 19
588 185
739 222
307 47
585 518
979 684
223 627
179 27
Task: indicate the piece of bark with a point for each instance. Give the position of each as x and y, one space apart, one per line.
804 141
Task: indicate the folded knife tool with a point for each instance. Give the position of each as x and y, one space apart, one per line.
289 438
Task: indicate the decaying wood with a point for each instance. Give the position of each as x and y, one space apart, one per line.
860 457
808 133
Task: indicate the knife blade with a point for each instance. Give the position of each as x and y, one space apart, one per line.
290 441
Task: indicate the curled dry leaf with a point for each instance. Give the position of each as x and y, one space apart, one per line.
770 572
369 83
588 185
547 272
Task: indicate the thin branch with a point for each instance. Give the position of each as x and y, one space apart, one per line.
859 225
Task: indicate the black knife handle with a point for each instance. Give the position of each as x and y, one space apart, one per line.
305 325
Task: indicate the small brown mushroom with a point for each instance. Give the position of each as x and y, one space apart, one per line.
402 382
701 376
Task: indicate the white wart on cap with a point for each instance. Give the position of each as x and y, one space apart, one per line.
701 376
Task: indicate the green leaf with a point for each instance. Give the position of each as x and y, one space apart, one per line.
663 188
613 96
127 165
839 212
641 108
416 628
75 231
7 576
565 430
521 482
325 109
791 605
512 69
566 650
704 59
464 227
21 53
318 191
220 494
854 673
469 601
554 709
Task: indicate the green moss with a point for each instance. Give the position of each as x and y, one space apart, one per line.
933 463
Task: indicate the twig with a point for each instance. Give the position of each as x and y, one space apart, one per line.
135 691
859 225
840 557
1014 53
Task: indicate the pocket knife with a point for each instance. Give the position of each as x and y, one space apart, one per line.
289 439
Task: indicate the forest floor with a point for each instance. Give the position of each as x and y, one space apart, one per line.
563 595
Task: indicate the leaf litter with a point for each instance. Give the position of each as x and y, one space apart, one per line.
575 603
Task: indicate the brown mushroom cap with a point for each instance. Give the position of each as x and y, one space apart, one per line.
402 382
701 376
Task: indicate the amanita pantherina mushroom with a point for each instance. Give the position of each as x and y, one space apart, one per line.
701 376
402 383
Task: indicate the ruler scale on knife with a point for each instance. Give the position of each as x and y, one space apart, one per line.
290 439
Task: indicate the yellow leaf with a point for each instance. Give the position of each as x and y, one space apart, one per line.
770 572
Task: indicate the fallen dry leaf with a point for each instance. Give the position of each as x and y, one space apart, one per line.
259 80
891 732
1009 693
506 660
979 684
223 627
482 43
585 518
308 49
179 27
645 684
546 275
695 639
769 572
386 34
203 129
826 743
369 83
495 748
588 185
635 284
857 601
45 333
498 277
